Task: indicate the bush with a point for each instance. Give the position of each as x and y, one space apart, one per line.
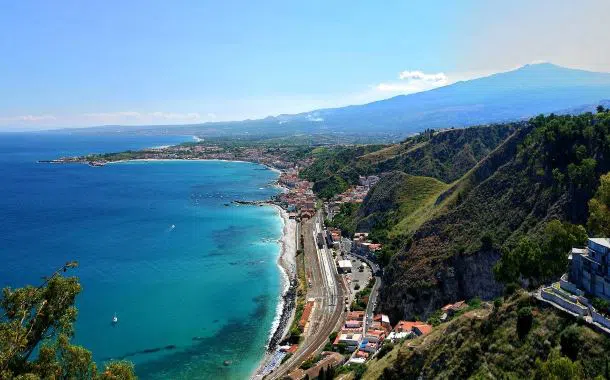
524 321
487 242
570 342
387 347
498 302
510 289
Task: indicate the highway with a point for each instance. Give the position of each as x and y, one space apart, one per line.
327 288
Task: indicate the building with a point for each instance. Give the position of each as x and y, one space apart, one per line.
418 328
590 267
383 320
306 314
350 340
345 266
453 308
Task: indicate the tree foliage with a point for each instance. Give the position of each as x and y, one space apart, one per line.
599 209
42 318
543 257
557 367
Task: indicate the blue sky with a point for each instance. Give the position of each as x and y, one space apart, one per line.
77 63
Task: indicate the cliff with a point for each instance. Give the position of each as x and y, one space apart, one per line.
547 169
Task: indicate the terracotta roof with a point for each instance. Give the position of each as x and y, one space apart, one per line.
406 326
306 314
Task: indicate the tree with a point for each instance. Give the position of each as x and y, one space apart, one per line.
557 367
600 109
558 239
570 342
42 318
524 321
599 209
487 242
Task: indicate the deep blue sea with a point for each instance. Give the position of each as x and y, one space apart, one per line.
193 282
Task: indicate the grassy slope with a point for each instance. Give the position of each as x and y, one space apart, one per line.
485 343
400 201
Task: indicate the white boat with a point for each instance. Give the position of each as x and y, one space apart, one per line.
115 319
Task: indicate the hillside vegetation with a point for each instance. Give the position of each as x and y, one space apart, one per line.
517 339
547 170
444 155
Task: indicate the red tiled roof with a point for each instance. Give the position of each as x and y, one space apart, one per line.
406 326
306 314
424 328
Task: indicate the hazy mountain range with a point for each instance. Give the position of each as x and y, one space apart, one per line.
513 95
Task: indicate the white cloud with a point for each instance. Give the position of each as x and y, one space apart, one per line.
419 75
413 81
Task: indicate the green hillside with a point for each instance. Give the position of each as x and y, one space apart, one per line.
517 339
445 155
398 204
548 169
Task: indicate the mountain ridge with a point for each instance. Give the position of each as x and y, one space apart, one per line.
501 97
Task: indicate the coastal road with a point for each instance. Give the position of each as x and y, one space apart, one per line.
327 289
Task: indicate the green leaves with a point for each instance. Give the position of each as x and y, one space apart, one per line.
543 257
599 209
44 317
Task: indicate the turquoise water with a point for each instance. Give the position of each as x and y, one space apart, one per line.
194 283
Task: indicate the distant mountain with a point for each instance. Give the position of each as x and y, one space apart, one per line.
508 96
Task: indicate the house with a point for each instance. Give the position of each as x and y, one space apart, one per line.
375 336
418 328
353 324
306 314
590 269
344 266
349 339
384 321
453 308
355 315
422 329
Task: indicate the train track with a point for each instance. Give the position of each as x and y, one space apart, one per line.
328 289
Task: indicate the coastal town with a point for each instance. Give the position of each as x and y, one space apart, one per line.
328 315
329 319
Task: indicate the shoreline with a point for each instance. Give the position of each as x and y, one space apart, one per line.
286 306
286 263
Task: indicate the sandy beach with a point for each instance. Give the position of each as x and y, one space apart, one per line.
285 308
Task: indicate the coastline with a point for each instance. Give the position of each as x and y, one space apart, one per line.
286 306
286 263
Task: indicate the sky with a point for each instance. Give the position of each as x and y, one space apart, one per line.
89 63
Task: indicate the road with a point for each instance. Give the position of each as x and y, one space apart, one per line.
327 288
371 305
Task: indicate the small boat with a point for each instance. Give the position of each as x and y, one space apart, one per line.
115 319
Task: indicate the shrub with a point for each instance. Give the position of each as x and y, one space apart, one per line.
570 342
387 347
524 321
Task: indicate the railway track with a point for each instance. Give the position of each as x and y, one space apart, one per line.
328 289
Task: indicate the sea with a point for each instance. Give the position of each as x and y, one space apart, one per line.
192 278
